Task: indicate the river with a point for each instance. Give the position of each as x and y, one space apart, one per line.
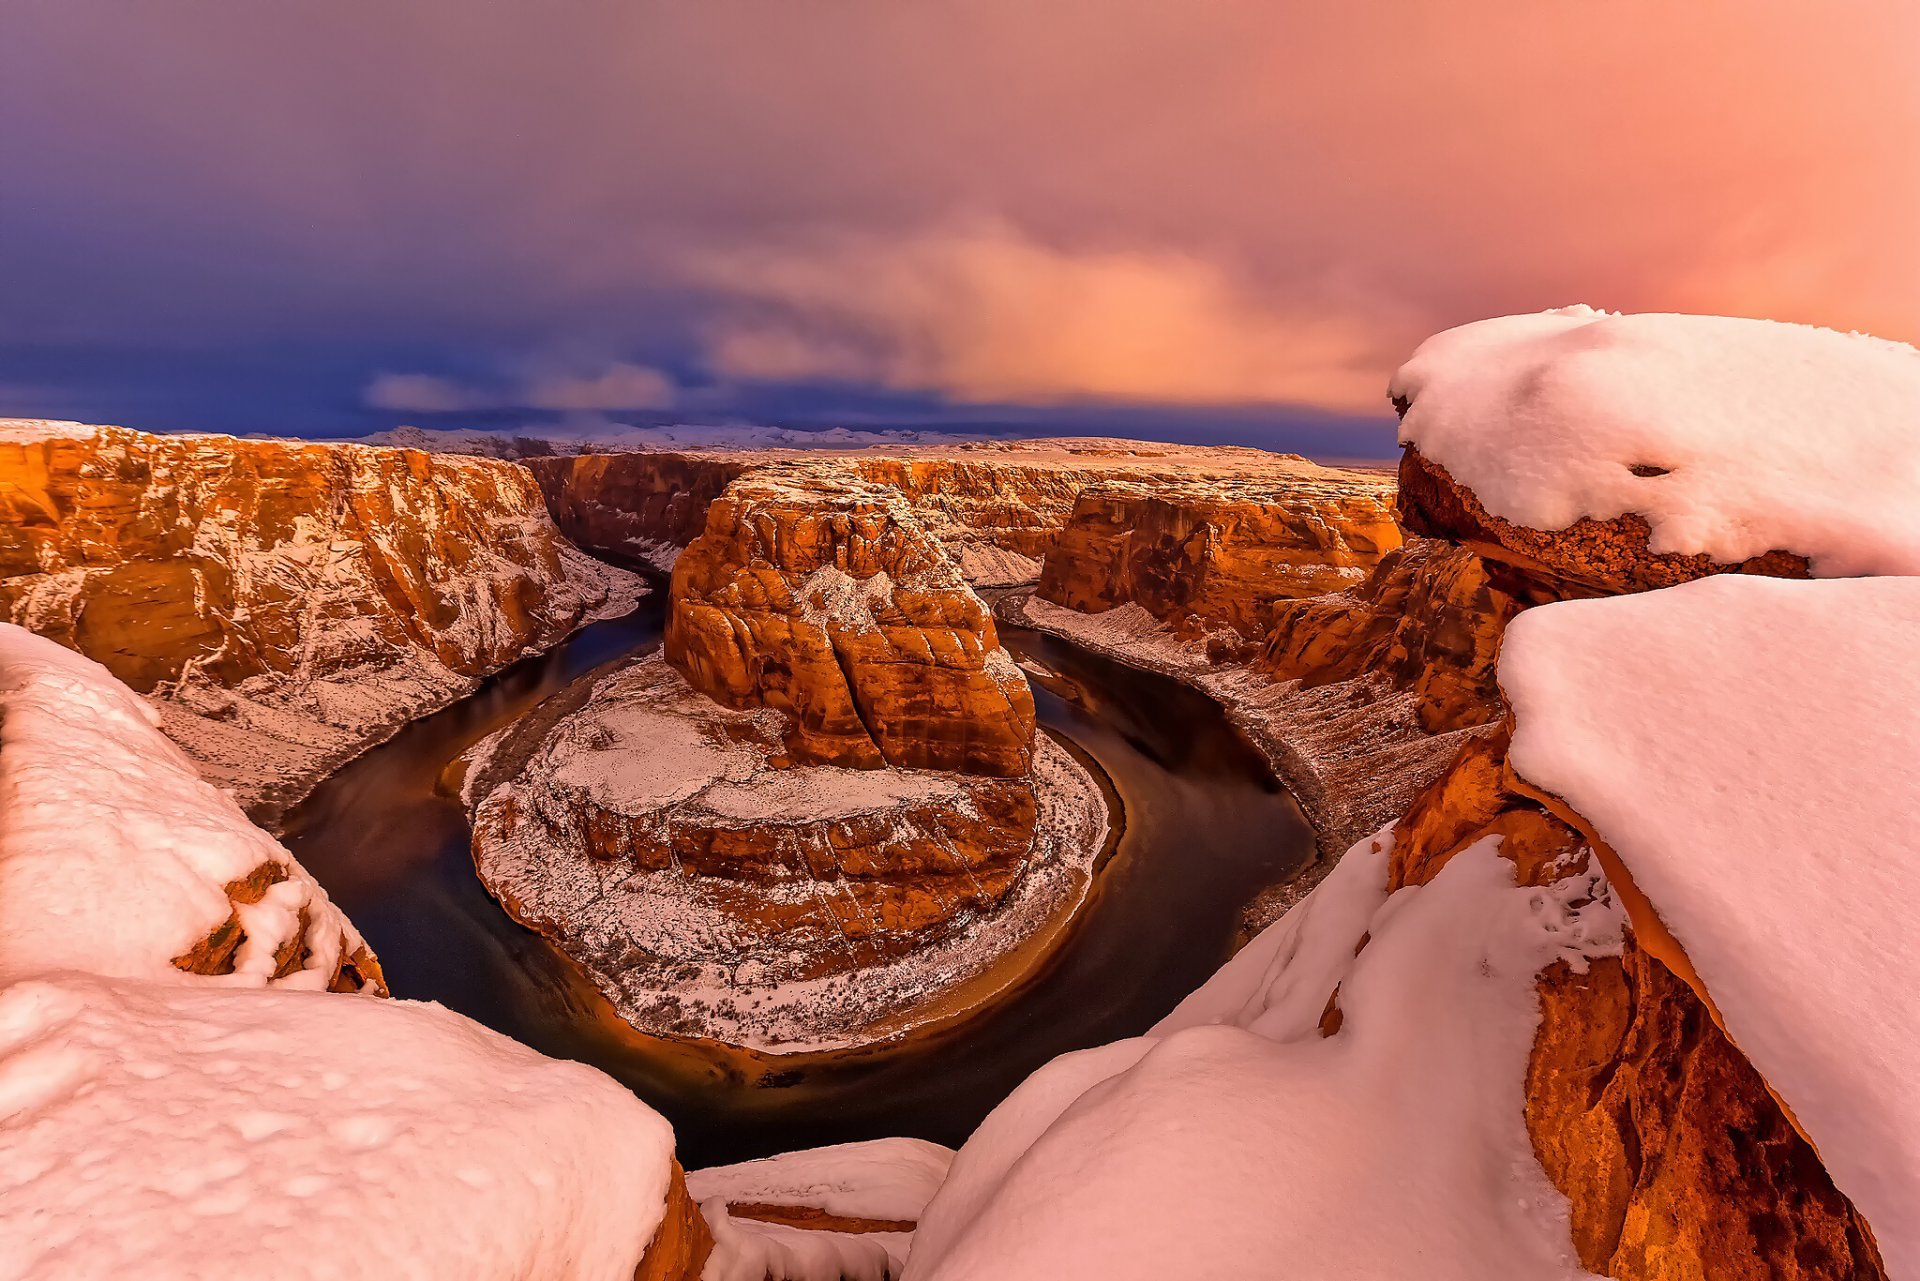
1205 827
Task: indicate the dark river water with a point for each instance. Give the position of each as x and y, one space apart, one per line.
1205 828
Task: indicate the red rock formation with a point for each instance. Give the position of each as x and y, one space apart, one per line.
996 507
709 884
682 1242
645 505
1209 553
1427 619
824 597
244 580
1675 1158
1588 558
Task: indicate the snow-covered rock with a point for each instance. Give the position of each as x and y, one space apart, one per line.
116 858
712 887
1238 1138
821 1214
157 1131
285 603
1620 452
1746 749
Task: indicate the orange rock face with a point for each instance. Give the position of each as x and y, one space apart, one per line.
682 1242
241 581
825 598
1205 554
1588 558
637 504
1675 1158
1428 618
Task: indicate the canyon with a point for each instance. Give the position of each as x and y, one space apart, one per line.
1556 998
823 806
284 604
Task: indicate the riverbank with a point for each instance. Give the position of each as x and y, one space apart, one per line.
1351 752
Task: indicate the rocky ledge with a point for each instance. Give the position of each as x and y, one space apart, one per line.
284 604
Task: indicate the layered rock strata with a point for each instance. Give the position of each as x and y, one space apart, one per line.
285 604
712 886
826 599
1210 556
996 507
646 506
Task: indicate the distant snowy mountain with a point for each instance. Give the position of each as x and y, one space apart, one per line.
603 437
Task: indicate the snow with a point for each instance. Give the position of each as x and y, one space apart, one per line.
639 756
598 435
1234 1141
889 1180
191 1132
877 1179
1770 436
114 853
1747 747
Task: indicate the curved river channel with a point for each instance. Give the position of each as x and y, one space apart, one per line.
1205 827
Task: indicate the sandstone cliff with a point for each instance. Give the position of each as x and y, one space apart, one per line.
1213 554
996 507
1676 1159
285 604
643 505
824 597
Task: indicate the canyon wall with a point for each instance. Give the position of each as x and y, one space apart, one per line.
996 507
1207 554
638 505
284 603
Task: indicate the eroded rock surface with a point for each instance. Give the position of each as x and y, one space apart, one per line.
712 886
1588 558
643 505
285 603
1676 1159
824 597
1214 554
1428 619
996 507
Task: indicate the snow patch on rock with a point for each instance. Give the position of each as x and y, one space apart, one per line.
1236 1140
115 854
1732 437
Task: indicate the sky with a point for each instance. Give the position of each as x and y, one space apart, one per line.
1200 219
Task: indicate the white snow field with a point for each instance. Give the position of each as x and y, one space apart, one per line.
1750 748
1234 1141
881 1179
114 853
159 1123
150 1130
1767 436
